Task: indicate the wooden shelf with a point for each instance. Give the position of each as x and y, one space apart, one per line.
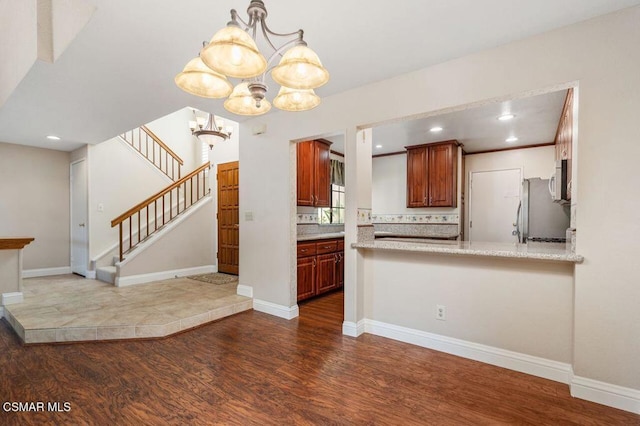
14 243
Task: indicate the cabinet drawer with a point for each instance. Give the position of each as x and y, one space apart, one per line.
340 245
306 249
329 246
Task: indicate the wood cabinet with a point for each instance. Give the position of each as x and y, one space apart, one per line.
313 173
432 172
320 267
306 277
564 138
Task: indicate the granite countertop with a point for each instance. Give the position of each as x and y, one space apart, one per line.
311 237
540 251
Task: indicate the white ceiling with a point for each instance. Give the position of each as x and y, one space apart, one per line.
478 129
119 71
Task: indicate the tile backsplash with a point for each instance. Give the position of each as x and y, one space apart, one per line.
415 218
302 218
314 228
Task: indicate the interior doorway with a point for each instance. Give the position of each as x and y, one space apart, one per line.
228 218
493 205
79 216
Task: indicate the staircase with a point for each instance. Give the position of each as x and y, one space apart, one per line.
108 274
138 224
155 151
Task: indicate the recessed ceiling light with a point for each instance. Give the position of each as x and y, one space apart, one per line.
435 129
378 146
506 117
511 139
53 138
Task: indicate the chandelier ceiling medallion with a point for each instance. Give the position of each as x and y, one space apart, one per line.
233 52
211 130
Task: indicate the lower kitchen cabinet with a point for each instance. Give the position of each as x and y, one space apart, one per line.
306 277
320 267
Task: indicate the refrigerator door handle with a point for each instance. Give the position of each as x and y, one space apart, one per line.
517 224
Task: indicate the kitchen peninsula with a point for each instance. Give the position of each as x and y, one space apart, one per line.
506 304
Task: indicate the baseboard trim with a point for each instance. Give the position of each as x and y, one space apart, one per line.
163 275
606 394
281 311
540 367
352 329
91 275
244 290
46 272
12 298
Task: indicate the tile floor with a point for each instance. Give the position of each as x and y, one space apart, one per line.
69 308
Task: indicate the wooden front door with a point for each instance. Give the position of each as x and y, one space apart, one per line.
228 218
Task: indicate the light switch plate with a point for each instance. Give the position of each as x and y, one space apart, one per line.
248 216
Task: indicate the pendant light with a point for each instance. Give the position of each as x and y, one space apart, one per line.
233 52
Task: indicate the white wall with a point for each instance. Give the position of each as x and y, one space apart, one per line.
534 162
602 56
18 43
523 306
119 178
173 130
186 246
389 187
34 202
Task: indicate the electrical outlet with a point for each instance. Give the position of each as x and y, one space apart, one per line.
441 312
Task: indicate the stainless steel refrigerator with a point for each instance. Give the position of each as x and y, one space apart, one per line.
540 219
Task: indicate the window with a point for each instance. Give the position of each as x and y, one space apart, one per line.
335 213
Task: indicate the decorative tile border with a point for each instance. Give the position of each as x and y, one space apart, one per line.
364 217
415 218
307 218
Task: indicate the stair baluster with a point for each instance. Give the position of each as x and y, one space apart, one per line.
184 184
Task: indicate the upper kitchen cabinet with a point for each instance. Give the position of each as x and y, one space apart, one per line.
564 134
314 173
432 174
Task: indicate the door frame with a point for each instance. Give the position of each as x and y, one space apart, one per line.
470 191
71 217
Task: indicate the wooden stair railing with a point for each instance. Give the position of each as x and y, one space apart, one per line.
153 149
153 213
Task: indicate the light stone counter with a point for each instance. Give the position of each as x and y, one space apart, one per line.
539 251
311 237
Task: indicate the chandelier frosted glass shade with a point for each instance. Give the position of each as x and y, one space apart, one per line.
296 100
234 53
241 102
300 68
198 79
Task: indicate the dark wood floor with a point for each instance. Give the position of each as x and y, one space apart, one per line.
253 368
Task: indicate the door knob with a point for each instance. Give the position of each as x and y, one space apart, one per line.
81 225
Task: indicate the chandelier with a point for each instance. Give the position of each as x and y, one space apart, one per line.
233 52
211 130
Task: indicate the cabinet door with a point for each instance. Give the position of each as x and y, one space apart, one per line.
306 277
326 271
305 173
443 166
417 177
322 178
